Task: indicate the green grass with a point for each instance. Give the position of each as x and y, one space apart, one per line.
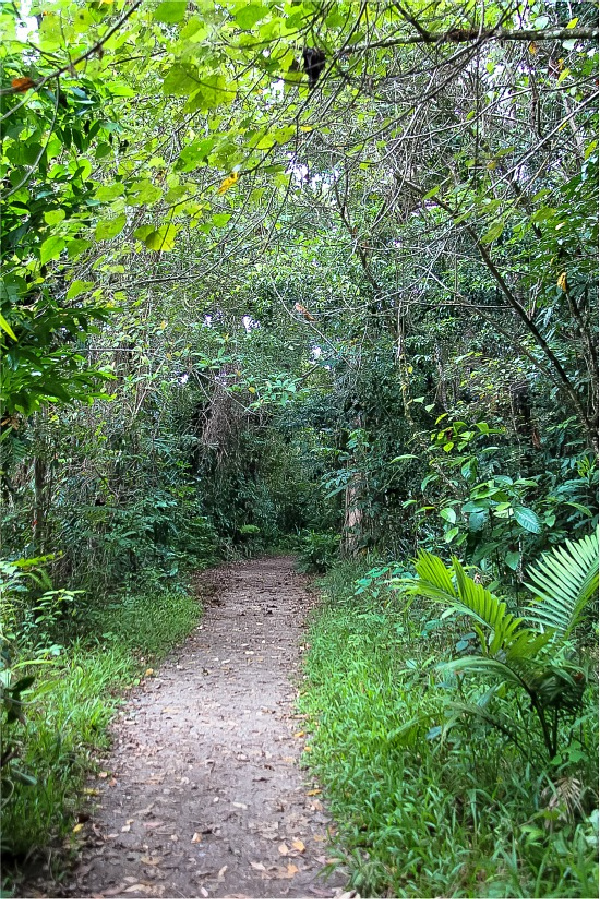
417 816
74 698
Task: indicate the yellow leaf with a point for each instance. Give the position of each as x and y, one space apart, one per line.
77 828
572 23
163 325
562 281
533 48
292 869
299 735
298 844
229 181
91 791
149 672
314 792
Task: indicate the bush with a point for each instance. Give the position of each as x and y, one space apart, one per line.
318 552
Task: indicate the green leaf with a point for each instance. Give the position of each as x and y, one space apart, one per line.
494 232
448 514
248 16
6 327
108 229
79 287
512 560
163 239
220 219
51 248
54 216
181 79
528 519
109 192
170 11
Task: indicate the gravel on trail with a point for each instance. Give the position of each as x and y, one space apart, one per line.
203 794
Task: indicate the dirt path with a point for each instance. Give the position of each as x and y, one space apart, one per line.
204 794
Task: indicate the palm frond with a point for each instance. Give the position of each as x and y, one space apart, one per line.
563 583
467 597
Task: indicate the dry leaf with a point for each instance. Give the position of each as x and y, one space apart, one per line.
221 874
197 838
292 869
298 844
258 866
318 838
314 792
299 735
229 181
20 85
77 828
283 849
149 672
562 281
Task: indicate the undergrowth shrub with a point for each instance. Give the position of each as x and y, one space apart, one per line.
425 814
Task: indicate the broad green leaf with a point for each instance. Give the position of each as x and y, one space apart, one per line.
51 248
110 192
493 233
79 287
109 229
6 327
181 80
248 16
528 519
163 239
170 11
54 216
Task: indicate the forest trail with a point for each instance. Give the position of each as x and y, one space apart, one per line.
203 794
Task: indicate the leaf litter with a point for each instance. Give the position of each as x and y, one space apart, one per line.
209 751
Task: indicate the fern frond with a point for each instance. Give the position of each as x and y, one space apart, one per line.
564 581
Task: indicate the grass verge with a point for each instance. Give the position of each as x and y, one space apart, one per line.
471 815
71 703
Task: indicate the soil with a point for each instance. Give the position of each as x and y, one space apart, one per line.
203 793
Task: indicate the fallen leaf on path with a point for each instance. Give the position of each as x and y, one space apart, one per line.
299 845
299 734
239 805
314 792
91 791
221 874
140 888
319 839
77 828
197 838
258 866
283 849
149 672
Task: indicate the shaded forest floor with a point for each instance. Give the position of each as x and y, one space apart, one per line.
202 794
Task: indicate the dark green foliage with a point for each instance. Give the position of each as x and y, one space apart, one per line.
318 552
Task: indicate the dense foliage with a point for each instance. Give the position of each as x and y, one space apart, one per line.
356 317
